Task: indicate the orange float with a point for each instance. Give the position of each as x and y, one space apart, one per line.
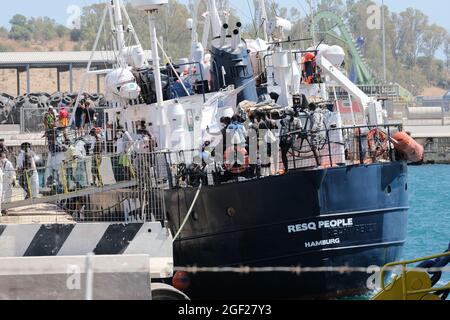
408 147
181 280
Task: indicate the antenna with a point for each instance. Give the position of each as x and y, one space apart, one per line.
150 7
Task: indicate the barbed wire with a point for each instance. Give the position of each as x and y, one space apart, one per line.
298 269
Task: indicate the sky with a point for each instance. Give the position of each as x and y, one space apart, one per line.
437 10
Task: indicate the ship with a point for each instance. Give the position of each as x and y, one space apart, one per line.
342 203
345 202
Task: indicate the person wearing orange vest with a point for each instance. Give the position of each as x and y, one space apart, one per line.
308 62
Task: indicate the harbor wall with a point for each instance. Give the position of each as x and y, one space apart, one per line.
437 150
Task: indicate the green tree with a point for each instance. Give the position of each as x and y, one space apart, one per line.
433 38
18 20
20 33
447 51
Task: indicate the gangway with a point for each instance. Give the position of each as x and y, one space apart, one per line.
108 185
65 196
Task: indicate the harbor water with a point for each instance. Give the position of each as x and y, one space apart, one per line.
429 215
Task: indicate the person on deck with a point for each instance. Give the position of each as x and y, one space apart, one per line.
288 125
79 118
317 130
49 120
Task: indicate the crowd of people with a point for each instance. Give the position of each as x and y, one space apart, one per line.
25 173
249 137
68 149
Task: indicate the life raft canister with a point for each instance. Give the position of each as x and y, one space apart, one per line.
406 145
239 159
378 142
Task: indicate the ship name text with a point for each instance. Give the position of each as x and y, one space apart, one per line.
324 224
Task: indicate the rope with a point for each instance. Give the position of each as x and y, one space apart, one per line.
189 212
299 269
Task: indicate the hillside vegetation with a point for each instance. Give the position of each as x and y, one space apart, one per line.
418 51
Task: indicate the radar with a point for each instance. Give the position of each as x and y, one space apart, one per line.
147 5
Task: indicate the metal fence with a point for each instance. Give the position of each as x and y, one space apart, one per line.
95 188
257 159
31 119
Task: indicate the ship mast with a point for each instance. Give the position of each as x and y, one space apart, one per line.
118 23
261 13
155 55
214 18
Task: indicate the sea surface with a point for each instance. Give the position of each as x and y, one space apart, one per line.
429 214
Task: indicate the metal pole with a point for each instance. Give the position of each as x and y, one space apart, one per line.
119 25
28 79
71 77
155 56
98 83
384 41
89 277
58 80
83 81
313 31
18 81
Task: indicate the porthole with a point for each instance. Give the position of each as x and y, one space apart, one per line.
231 212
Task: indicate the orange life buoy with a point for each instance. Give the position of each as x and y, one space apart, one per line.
405 144
378 142
240 159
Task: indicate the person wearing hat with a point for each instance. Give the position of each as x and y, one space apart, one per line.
288 125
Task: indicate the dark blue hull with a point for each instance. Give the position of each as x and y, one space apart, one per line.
347 216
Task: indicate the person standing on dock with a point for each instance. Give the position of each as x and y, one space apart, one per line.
125 145
97 158
3 148
9 179
26 167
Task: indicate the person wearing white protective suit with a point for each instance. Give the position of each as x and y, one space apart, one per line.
9 179
125 145
1 189
26 167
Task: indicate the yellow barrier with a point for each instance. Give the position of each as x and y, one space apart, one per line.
411 284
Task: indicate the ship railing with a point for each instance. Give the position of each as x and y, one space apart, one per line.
329 148
125 187
31 119
348 145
